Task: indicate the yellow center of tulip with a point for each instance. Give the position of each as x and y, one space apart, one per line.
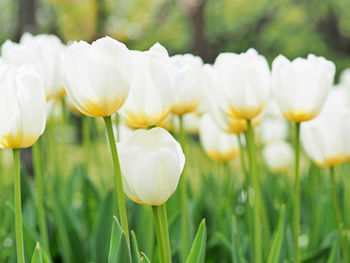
141 119
331 161
183 108
223 156
299 115
246 113
17 140
101 108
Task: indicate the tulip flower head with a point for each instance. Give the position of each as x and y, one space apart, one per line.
219 146
45 53
278 156
151 94
22 106
245 80
151 164
187 71
97 76
323 138
301 86
214 98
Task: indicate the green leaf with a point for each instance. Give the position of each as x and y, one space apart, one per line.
119 250
236 252
37 258
197 253
136 256
275 251
333 257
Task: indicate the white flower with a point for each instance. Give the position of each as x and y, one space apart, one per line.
278 156
45 53
22 106
97 76
323 138
273 129
187 72
301 86
220 146
151 94
245 81
151 164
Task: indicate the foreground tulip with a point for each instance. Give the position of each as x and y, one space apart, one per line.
220 146
44 52
97 76
98 83
187 70
161 160
151 94
152 162
246 81
278 156
301 88
22 121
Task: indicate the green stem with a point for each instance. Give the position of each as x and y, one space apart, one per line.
86 141
117 177
185 223
161 224
18 208
64 123
338 216
296 220
117 122
255 183
39 181
246 184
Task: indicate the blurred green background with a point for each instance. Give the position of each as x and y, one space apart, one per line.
203 27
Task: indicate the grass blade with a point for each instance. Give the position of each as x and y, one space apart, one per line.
197 253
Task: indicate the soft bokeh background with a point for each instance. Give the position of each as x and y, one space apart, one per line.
204 27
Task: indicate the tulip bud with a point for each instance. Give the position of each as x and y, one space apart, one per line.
245 81
220 146
22 106
97 76
301 86
151 163
187 71
323 138
44 52
278 156
151 94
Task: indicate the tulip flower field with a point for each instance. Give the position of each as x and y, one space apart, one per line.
117 155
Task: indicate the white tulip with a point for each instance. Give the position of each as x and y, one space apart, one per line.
301 86
273 129
97 76
278 156
219 146
323 138
214 99
45 53
151 164
22 106
338 99
245 80
187 72
151 94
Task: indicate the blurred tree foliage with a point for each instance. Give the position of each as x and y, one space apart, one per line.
204 27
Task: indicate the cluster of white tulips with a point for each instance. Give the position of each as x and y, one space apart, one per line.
226 102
